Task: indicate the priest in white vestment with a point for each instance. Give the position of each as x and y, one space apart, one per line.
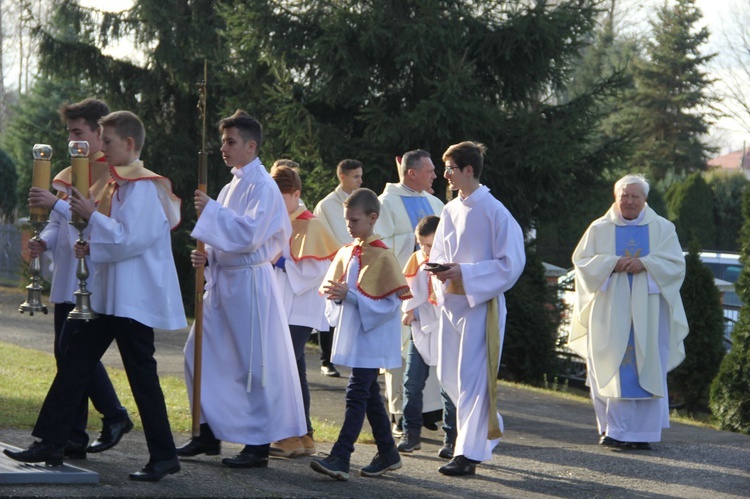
404 205
628 321
483 245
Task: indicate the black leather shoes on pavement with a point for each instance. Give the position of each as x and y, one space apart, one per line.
196 446
153 472
446 451
51 454
246 459
111 435
619 444
459 466
74 450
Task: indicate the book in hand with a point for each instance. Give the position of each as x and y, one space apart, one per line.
435 267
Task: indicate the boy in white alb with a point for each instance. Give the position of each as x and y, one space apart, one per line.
250 387
58 237
482 244
134 289
364 286
300 269
423 317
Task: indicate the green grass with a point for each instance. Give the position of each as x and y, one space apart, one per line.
27 374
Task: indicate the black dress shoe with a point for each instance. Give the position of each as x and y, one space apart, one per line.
155 471
51 454
246 459
459 466
197 445
612 443
639 446
111 435
75 450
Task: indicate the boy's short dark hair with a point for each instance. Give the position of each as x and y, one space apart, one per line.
286 178
347 165
427 225
364 199
248 127
90 109
126 124
467 153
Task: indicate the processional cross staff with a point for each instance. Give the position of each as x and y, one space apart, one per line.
199 277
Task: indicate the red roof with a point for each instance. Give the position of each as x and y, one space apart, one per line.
731 161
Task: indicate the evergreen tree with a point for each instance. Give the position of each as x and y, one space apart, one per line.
7 196
730 397
176 37
727 190
36 120
372 79
671 105
692 208
534 312
690 382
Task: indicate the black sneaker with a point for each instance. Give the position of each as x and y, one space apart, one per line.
381 463
446 452
333 466
409 442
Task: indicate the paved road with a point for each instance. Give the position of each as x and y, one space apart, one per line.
549 450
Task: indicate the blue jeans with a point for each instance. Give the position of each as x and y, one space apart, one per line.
415 377
416 373
363 399
449 418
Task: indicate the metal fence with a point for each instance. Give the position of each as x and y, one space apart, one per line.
10 254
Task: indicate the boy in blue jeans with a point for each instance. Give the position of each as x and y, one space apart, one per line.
364 287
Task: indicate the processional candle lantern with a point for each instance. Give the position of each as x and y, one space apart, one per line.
79 163
38 219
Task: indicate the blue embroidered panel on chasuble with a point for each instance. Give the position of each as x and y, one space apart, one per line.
417 208
632 241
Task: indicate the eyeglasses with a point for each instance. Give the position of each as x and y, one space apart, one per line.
450 169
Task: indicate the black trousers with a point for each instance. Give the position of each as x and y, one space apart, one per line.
99 389
86 344
325 341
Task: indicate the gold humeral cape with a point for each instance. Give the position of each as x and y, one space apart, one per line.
134 172
413 264
98 178
379 272
310 239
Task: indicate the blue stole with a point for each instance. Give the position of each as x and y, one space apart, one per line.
417 207
632 241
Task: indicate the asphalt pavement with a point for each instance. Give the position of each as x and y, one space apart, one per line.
549 449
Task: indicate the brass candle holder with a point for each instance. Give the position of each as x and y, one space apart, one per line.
79 153
38 220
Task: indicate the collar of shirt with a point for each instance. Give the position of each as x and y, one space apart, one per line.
635 221
239 172
409 189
